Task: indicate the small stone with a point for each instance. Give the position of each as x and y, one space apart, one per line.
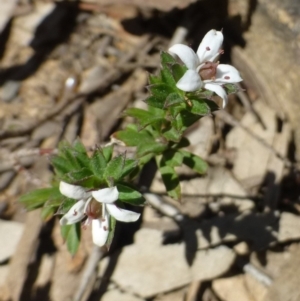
289 227
10 233
116 295
142 266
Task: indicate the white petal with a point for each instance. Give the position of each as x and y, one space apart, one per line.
209 47
74 215
186 54
73 191
122 215
219 91
100 231
106 195
190 81
227 74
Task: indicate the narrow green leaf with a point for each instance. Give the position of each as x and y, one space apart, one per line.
114 168
132 137
69 154
185 119
178 71
61 165
72 234
167 77
79 147
37 198
171 181
173 99
47 213
112 226
144 117
98 163
81 174
129 166
172 158
160 90
108 152
166 58
199 107
171 134
194 162
156 102
153 79
150 147
129 195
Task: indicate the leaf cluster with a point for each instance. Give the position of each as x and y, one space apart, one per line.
160 129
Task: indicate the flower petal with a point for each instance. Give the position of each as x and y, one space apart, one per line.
73 191
74 215
209 47
122 215
106 195
190 81
100 231
186 54
227 74
219 91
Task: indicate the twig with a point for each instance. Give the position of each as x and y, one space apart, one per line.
89 272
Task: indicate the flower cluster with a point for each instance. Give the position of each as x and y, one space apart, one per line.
204 71
96 206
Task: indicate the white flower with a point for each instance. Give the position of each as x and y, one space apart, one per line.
97 206
203 70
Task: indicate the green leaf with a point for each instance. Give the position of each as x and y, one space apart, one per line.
82 158
166 58
171 181
72 234
153 79
185 119
79 147
66 206
98 163
156 102
129 195
131 137
194 162
171 134
108 152
47 213
148 147
37 198
144 117
69 155
178 71
114 168
199 107
61 165
81 174
160 90
129 166
112 226
167 77
173 99
172 158
231 88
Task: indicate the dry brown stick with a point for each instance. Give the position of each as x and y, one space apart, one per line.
24 255
88 276
105 81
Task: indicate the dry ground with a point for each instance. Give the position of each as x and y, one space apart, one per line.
70 68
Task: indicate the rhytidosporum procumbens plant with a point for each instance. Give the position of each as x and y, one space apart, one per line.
92 188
